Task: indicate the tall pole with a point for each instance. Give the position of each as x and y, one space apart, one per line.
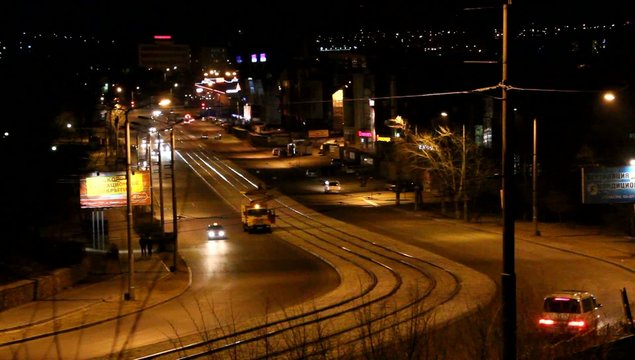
149 159
534 176
174 216
508 277
130 294
464 176
161 210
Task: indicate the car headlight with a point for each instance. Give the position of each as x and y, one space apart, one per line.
210 233
221 233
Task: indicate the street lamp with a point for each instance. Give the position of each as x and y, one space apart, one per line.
534 176
160 163
173 268
508 276
130 295
174 216
609 97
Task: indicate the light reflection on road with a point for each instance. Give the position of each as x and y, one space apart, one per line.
215 255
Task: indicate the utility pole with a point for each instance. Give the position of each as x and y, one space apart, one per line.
534 177
130 294
149 159
161 211
464 175
508 277
174 216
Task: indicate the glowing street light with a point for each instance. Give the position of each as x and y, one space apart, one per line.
608 96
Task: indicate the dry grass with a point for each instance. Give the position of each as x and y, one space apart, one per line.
381 335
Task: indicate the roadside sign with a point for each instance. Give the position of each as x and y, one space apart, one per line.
608 185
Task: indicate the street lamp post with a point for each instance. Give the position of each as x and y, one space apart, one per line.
464 174
148 148
174 215
534 183
508 276
173 268
161 211
130 295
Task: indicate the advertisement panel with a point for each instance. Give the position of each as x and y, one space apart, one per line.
324 133
104 190
608 185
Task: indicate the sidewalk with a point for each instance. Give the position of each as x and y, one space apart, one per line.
592 241
103 296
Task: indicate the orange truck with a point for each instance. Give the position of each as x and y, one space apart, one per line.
256 216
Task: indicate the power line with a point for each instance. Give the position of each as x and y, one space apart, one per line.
446 93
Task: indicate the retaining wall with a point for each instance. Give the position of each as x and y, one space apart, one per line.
42 287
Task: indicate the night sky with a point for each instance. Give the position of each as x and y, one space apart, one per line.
213 21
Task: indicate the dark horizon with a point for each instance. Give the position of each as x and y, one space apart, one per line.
199 22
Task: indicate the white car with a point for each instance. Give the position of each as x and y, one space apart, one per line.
215 231
331 186
570 312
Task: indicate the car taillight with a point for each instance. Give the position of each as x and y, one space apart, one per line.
546 322
577 323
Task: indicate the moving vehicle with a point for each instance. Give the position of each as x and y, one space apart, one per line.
570 312
256 216
214 136
331 186
215 231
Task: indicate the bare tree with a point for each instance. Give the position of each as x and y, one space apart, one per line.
453 159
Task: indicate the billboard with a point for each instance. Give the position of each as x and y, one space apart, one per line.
324 133
104 190
608 185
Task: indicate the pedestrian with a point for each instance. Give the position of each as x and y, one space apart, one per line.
143 244
149 244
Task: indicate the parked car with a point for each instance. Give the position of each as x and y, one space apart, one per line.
570 312
401 185
331 186
336 163
350 169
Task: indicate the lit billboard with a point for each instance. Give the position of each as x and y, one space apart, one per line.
104 190
608 185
